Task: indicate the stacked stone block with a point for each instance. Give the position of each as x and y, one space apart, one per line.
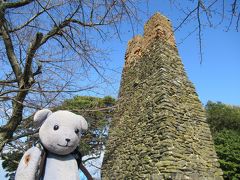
159 130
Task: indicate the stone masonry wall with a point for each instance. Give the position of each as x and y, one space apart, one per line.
159 130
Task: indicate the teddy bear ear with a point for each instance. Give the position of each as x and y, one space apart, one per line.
84 124
40 116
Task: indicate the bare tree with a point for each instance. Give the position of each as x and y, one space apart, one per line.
207 14
45 46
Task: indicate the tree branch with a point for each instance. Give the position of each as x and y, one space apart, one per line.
39 69
199 31
29 21
56 30
49 91
4 82
30 54
237 24
91 158
23 135
10 52
17 4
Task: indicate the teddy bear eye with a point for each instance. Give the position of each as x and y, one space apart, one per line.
76 131
55 127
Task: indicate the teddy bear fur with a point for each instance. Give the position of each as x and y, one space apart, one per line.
59 134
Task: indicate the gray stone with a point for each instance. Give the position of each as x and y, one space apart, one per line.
159 130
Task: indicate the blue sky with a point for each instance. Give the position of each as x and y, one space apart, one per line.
215 79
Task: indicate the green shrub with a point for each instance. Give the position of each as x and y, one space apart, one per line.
224 121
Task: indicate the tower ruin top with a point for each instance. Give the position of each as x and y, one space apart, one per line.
157 27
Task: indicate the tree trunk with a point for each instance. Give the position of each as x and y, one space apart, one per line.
6 132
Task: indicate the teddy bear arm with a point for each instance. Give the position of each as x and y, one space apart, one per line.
28 165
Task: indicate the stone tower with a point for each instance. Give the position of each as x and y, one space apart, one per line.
159 130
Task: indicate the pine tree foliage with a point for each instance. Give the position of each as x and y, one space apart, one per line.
98 113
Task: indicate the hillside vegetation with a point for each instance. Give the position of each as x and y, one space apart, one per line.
224 121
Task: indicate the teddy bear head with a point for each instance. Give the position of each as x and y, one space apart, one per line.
59 131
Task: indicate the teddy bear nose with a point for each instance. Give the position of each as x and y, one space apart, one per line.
68 140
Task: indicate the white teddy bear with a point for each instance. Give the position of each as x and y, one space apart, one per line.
59 136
